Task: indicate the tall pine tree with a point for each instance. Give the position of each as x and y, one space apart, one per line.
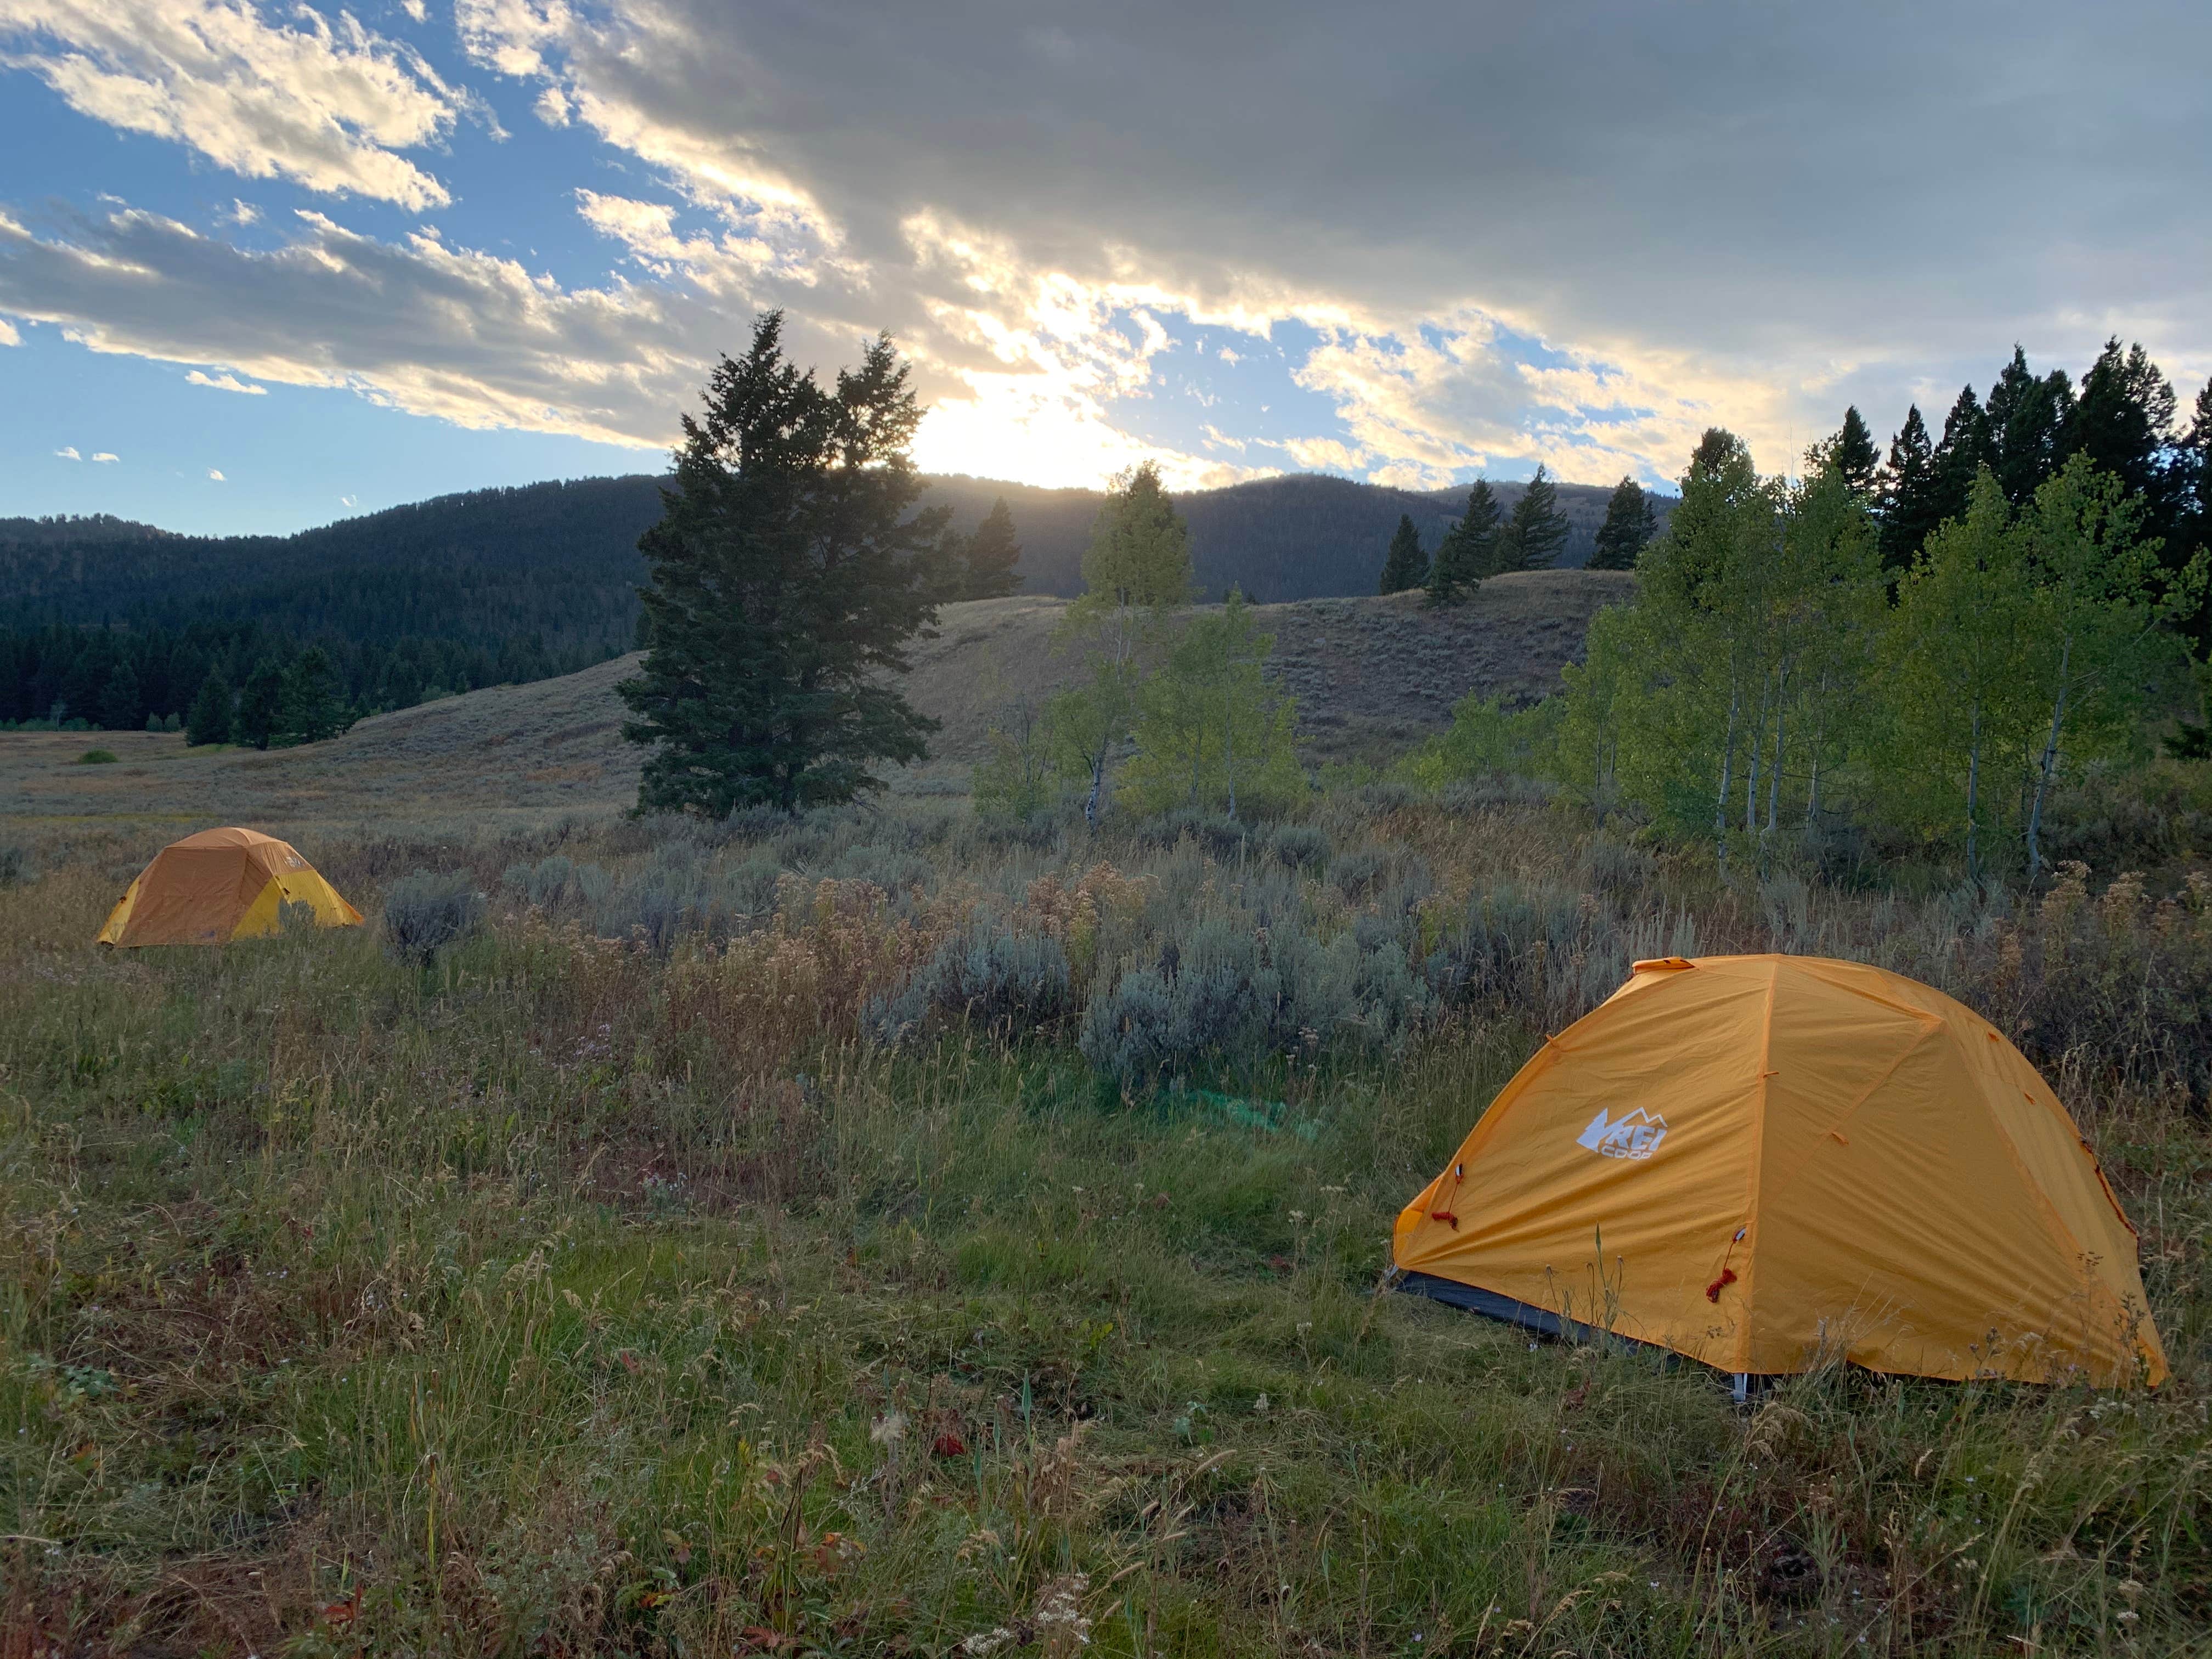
1629 524
988 557
1465 556
1857 461
1537 531
209 718
2027 416
313 709
1962 451
260 705
1407 565
787 577
1908 494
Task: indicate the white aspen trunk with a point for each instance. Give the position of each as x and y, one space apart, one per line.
1973 786
1229 747
1751 771
2050 765
1781 735
1721 800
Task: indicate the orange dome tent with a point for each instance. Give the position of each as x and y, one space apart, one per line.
1755 1161
221 885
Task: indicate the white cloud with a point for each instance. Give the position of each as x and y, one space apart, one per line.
103 455
1230 355
415 9
243 213
215 473
9 336
225 383
325 105
345 500
417 325
69 454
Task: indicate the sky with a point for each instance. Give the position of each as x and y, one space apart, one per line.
263 265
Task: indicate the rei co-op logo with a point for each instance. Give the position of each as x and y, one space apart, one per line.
1632 1134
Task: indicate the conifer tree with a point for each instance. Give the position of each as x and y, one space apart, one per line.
1537 531
1468 548
988 557
1857 461
787 579
2027 416
1963 451
1629 524
1408 565
209 718
260 705
119 709
1908 494
2124 422
312 710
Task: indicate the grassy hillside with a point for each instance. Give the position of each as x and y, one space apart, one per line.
1371 675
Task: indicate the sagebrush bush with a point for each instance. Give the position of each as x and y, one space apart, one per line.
997 981
1233 990
15 865
424 913
1299 845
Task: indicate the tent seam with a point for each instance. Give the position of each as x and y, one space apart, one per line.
1758 1160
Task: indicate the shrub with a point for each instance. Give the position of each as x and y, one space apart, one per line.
424 913
96 757
15 866
556 883
1298 844
1236 989
998 981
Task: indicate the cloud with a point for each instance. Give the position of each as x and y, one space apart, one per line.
69 454
436 331
243 213
225 383
325 105
215 475
1230 355
103 455
415 9
8 334
1697 216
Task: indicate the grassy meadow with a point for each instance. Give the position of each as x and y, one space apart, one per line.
775 1238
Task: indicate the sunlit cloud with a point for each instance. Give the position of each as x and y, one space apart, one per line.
103 455
326 105
225 383
68 453
215 474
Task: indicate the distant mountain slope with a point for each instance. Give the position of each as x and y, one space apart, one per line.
558 561
72 527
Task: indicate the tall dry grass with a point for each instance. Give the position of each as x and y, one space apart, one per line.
585 1293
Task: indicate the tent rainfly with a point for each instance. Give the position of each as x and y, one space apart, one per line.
221 885
1761 1162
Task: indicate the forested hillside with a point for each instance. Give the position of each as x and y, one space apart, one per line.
517 584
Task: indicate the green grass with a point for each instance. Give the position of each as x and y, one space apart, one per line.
526 1305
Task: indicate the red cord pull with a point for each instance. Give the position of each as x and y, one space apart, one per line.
1713 1291
1446 1216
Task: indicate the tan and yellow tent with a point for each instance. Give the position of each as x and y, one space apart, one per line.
221 885
1758 1160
